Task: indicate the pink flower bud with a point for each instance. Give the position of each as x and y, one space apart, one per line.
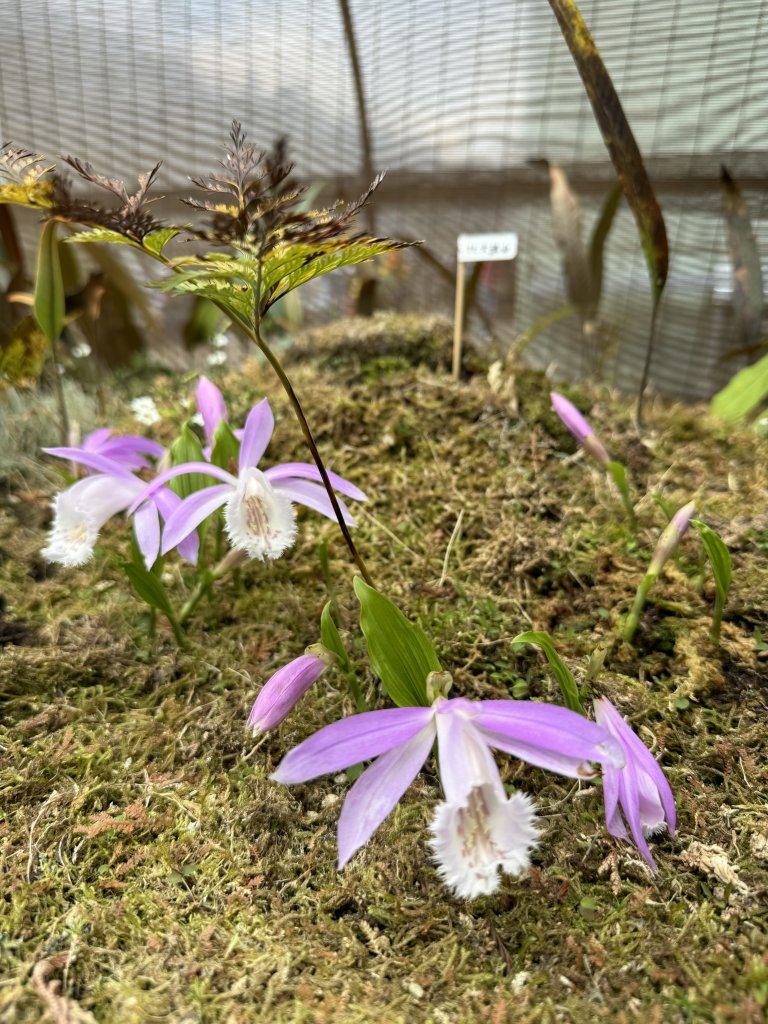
578 426
282 690
671 536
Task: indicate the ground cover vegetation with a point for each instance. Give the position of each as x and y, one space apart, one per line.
153 870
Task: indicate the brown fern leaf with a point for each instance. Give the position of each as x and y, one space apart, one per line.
256 184
131 218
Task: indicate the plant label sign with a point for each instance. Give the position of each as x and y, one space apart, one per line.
480 248
492 245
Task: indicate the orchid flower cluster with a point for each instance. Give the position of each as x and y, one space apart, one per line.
254 507
717 552
480 828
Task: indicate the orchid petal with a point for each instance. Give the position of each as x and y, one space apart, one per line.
210 405
93 460
130 451
644 795
378 789
312 496
260 520
167 502
465 760
146 525
629 797
256 434
608 716
191 512
181 470
79 513
311 472
547 736
351 740
93 442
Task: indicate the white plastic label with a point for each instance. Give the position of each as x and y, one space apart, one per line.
493 245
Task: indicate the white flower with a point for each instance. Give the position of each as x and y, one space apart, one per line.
81 511
478 830
259 519
145 410
216 358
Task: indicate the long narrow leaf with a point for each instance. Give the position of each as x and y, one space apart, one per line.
560 670
330 636
49 285
600 234
624 153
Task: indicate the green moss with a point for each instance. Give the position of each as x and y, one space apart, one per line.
154 871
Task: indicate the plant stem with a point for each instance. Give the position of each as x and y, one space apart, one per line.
717 618
60 397
202 587
274 362
633 618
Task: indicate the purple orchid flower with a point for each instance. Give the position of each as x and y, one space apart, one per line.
478 828
212 409
258 510
81 510
580 428
129 451
638 789
283 689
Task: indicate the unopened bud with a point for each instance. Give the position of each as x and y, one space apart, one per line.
671 536
282 690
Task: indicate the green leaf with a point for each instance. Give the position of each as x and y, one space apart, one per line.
618 474
49 285
226 447
743 392
562 673
600 235
187 448
148 587
719 558
103 235
330 637
401 653
666 507
156 241
285 268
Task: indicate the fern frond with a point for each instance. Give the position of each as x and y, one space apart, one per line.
131 219
25 182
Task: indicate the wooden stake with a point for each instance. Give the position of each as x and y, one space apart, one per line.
458 320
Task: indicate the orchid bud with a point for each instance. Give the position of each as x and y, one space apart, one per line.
284 689
574 422
671 537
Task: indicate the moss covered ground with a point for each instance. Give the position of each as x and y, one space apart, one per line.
150 871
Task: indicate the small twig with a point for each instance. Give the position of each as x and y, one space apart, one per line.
451 541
